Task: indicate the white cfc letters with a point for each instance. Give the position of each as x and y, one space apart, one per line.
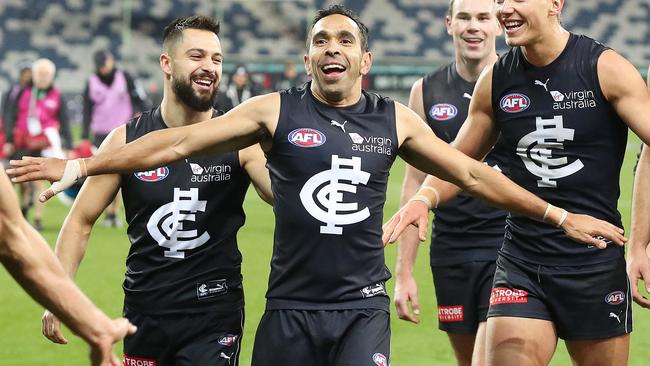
536 151
328 187
166 224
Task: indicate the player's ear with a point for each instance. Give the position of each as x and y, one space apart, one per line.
307 65
448 24
556 8
366 63
165 64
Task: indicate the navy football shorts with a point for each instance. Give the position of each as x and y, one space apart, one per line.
463 295
358 337
212 338
584 302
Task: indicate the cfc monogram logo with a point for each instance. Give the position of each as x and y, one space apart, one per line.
535 149
327 188
166 224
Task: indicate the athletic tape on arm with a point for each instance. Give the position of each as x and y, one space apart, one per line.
71 174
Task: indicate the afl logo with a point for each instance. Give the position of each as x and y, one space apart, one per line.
153 175
307 137
514 103
615 298
443 111
228 340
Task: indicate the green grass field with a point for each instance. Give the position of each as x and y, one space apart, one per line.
101 274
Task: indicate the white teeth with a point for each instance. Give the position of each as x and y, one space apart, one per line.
333 66
203 82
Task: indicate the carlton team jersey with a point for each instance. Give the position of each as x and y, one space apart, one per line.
566 144
329 173
182 223
465 229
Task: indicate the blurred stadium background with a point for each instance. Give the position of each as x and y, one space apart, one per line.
408 39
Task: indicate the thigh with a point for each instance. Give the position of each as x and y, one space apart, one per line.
590 302
209 339
478 353
519 341
284 337
601 352
364 337
150 345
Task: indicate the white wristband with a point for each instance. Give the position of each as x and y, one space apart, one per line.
563 218
71 174
548 209
422 198
435 192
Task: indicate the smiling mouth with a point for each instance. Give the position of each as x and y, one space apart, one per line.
203 82
333 69
512 25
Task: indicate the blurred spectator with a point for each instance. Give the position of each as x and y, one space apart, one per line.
240 88
24 79
37 125
111 98
9 98
289 77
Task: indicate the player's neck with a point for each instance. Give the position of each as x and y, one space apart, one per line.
176 113
470 69
547 47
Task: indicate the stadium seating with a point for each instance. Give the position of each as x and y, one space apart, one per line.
402 31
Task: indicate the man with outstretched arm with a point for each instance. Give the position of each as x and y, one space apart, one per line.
467 233
563 104
329 147
26 256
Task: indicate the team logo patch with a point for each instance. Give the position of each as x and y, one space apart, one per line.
379 359
450 314
135 361
228 340
373 290
307 137
514 103
210 289
615 298
503 295
443 111
153 175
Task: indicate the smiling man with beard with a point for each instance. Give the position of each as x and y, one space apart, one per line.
327 302
183 280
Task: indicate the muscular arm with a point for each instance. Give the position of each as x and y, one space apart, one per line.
406 291
624 88
95 195
29 260
249 123
638 264
476 137
254 163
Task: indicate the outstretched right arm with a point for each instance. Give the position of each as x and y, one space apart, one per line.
251 122
30 261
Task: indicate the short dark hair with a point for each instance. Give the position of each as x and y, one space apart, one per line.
174 30
341 10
